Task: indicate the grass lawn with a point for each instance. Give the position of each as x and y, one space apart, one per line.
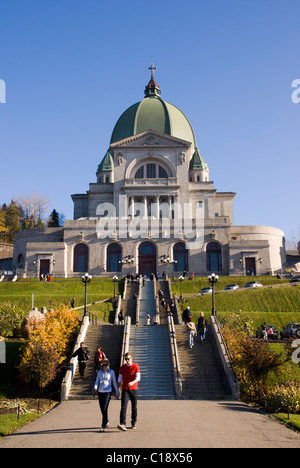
292 421
56 292
276 304
9 422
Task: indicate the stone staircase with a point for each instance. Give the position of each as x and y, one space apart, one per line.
202 374
150 348
128 304
109 337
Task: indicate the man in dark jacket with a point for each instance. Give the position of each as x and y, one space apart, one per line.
83 355
202 327
187 314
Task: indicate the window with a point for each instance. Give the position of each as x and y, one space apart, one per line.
114 254
140 173
81 258
20 260
214 257
151 171
162 173
180 255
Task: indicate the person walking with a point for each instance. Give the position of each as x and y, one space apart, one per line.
187 314
192 332
202 327
98 358
83 355
121 317
129 378
105 382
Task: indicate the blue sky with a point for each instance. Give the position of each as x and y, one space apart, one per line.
71 67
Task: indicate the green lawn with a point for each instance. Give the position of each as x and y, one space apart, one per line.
9 422
56 292
292 421
277 304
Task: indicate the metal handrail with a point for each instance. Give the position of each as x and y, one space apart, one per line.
175 358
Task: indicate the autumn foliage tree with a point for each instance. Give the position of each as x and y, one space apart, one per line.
48 347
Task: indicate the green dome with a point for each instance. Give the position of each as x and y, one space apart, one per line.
155 114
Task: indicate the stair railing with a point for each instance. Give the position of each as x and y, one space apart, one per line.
225 358
126 338
175 358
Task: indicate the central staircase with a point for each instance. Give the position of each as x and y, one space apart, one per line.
150 348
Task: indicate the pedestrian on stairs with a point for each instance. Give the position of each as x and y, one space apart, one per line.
98 358
202 327
192 332
83 355
187 314
105 382
129 377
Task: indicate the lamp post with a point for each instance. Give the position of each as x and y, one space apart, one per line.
115 279
86 279
181 278
213 279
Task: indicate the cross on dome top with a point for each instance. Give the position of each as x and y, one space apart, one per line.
152 89
152 68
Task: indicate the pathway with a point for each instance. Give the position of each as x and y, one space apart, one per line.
161 424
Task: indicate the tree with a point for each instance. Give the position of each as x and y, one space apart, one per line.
49 347
33 207
12 221
3 228
54 219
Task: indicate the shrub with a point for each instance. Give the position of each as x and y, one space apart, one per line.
48 347
11 317
253 361
284 398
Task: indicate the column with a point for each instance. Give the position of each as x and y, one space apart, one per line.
157 207
145 207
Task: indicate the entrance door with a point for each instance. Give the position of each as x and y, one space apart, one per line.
44 267
147 259
250 266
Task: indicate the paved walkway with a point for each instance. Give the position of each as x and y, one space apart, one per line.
161 424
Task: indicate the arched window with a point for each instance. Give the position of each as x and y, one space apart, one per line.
151 171
81 258
214 257
20 260
180 255
114 254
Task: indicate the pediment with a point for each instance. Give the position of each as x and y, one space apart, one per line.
151 139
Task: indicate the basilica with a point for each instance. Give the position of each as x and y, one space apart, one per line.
151 209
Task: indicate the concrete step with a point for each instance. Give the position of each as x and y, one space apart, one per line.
150 348
202 373
109 337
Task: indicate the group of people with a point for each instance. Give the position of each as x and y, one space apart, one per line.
187 317
106 383
129 374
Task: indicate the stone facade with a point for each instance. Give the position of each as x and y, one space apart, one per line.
152 208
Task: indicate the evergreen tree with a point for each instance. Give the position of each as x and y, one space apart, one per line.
54 220
10 216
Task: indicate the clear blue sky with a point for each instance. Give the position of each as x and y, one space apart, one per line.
71 67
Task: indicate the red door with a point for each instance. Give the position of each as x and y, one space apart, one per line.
147 259
250 266
44 267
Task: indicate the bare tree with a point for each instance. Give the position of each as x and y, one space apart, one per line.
292 242
33 207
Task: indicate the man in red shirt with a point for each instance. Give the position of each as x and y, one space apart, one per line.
129 377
